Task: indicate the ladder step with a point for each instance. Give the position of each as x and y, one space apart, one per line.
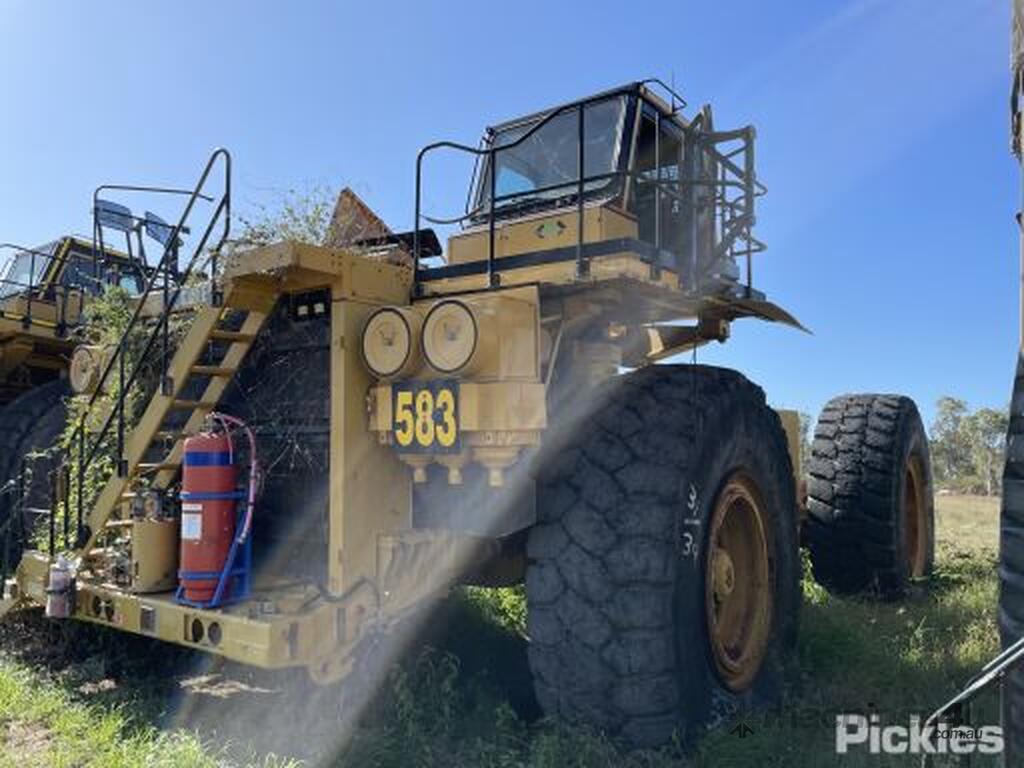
158 467
235 336
213 370
118 524
169 434
192 405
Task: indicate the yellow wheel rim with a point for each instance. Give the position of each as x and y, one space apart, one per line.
738 583
915 518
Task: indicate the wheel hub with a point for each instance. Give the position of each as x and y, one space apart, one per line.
738 583
723 573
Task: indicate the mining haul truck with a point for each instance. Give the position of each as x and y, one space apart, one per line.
44 295
339 433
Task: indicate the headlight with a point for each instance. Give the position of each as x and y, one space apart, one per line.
388 342
450 336
86 365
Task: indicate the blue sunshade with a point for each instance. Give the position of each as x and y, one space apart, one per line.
158 229
114 216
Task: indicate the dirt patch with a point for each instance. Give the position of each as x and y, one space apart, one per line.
25 741
99 686
220 687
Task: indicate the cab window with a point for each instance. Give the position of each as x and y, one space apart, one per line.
659 155
25 269
132 282
81 272
539 164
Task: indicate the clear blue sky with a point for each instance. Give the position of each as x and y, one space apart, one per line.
882 137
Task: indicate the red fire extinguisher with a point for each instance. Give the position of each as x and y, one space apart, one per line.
209 497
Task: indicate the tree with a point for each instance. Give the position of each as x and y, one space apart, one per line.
950 446
806 427
300 215
967 447
986 434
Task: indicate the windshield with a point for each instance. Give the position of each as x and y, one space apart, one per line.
81 273
543 166
25 269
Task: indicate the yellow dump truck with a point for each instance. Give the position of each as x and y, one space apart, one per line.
344 431
44 292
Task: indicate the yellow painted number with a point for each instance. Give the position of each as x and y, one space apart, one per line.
425 417
404 421
447 430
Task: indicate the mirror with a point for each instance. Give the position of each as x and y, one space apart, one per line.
114 216
158 229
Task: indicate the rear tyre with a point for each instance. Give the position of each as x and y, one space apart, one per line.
871 518
29 425
662 582
1011 571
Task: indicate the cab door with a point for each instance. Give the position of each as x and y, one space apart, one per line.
657 200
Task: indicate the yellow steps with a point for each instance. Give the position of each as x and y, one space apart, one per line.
212 370
232 336
256 298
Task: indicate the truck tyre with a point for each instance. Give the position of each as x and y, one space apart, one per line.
663 574
871 518
30 423
1011 571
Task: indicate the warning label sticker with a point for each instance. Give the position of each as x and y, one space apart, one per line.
191 527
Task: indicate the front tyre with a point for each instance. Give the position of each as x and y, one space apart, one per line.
663 577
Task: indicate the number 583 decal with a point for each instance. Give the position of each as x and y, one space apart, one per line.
426 415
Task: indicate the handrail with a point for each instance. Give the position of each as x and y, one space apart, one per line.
735 217
991 674
31 287
38 290
666 185
490 152
125 379
15 520
668 89
7 528
97 228
168 250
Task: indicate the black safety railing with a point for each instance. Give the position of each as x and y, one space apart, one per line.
956 713
19 521
168 269
169 282
731 189
138 224
12 521
38 289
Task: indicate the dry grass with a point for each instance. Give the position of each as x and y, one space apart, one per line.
967 523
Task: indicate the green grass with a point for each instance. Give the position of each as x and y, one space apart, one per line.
462 696
41 725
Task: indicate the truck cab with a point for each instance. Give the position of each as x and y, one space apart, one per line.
622 172
43 293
